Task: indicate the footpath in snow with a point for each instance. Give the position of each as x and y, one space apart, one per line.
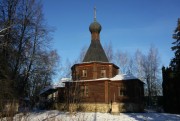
55 115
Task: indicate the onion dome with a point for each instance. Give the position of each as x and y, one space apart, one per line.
95 27
95 52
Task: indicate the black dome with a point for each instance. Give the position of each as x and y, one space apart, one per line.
95 27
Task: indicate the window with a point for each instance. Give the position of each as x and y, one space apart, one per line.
122 91
84 73
84 90
103 73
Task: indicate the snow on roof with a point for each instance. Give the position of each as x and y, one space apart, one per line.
123 77
115 78
55 86
50 87
99 79
103 79
65 79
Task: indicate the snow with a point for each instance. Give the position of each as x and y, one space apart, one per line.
115 78
54 115
61 82
50 87
65 80
55 86
102 79
99 79
123 77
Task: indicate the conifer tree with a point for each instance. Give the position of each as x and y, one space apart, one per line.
171 77
175 62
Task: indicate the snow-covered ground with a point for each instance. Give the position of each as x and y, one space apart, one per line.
55 115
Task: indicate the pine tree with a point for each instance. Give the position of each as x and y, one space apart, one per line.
171 77
175 62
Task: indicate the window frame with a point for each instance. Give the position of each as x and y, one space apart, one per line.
122 90
84 73
84 90
103 73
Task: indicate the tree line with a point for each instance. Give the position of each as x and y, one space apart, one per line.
171 77
27 62
145 66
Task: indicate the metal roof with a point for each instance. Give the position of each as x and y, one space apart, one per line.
95 53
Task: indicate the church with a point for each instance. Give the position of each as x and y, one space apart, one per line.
100 83
97 84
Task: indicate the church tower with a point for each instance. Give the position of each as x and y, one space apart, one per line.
95 52
95 63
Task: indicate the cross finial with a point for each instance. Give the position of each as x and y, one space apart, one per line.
95 13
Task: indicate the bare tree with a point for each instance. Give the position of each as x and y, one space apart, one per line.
131 66
27 63
41 75
82 54
148 70
73 96
138 60
122 60
108 48
66 69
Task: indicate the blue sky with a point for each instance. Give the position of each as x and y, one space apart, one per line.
128 24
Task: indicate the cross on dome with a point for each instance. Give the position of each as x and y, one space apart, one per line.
94 13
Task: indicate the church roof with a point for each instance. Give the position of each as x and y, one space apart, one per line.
119 77
95 53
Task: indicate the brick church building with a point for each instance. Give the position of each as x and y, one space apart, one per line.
99 82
